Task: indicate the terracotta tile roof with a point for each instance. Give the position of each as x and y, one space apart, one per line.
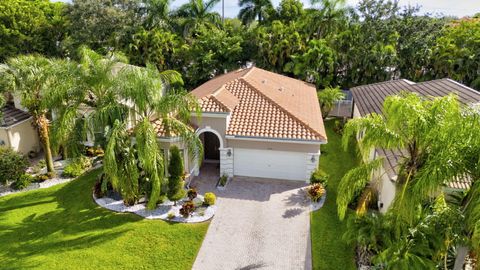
11 116
369 99
211 104
160 129
265 104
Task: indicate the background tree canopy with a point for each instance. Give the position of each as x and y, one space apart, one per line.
328 44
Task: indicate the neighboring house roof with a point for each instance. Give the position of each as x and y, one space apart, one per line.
369 99
11 116
264 104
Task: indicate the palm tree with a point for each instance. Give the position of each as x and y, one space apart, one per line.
328 17
327 99
196 13
111 91
36 81
424 130
157 13
251 9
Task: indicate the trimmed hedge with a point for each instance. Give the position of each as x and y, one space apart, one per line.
12 165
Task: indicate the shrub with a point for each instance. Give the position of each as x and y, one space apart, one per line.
97 189
192 193
77 167
175 170
171 215
223 180
41 177
23 182
315 192
187 209
338 127
12 165
39 166
209 198
319 177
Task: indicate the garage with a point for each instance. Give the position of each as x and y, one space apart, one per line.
269 164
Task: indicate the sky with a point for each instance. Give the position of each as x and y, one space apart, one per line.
457 8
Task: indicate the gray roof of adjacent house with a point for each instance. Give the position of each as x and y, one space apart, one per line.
11 116
369 99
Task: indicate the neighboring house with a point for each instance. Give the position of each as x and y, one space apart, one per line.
17 131
369 99
259 124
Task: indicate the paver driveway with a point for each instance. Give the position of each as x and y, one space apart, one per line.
259 224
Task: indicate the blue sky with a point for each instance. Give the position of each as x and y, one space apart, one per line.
447 7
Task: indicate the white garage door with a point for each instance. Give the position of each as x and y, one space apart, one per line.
269 164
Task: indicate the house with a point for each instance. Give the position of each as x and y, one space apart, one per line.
258 123
16 129
369 99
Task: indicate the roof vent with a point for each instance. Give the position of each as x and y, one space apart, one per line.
281 88
264 81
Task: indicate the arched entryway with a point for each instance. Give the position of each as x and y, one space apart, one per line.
211 146
212 143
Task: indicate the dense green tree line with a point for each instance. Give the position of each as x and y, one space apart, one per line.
328 44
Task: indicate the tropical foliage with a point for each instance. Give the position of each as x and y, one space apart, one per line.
439 147
329 44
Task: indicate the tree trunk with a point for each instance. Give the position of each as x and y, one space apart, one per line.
462 253
42 127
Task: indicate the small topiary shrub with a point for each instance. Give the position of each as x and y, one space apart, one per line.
223 180
187 209
192 193
12 165
315 192
209 198
319 177
171 215
175 182
77 167
24 181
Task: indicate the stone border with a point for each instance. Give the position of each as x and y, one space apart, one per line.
161 212
57 180
314 206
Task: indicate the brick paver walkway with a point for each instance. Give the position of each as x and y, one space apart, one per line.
259 224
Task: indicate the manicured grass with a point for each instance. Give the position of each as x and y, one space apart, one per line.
329 251
62 228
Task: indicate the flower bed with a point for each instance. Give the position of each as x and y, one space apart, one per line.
165 211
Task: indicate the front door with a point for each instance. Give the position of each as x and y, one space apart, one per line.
211 146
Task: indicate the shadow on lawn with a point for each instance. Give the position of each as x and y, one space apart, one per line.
76 223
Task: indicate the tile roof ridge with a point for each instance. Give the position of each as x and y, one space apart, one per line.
385 82
247 73
307 126
212 96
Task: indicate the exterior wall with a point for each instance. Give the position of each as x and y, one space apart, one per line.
356 112
278 146
218 123
4 140
387 192
22 137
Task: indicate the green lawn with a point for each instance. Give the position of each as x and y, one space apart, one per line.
328 249
62 228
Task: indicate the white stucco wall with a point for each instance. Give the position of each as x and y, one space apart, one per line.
21 137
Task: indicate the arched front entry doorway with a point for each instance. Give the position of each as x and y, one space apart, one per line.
211 146
212 143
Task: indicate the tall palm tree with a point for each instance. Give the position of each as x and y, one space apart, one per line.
328 97
196 13
425 130
157 13
327 16
253 9
35 80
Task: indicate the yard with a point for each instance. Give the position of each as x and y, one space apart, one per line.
329 251
61 227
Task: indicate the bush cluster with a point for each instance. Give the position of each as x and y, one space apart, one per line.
319 177
12 165
24 181
77 167
209 198
315 192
